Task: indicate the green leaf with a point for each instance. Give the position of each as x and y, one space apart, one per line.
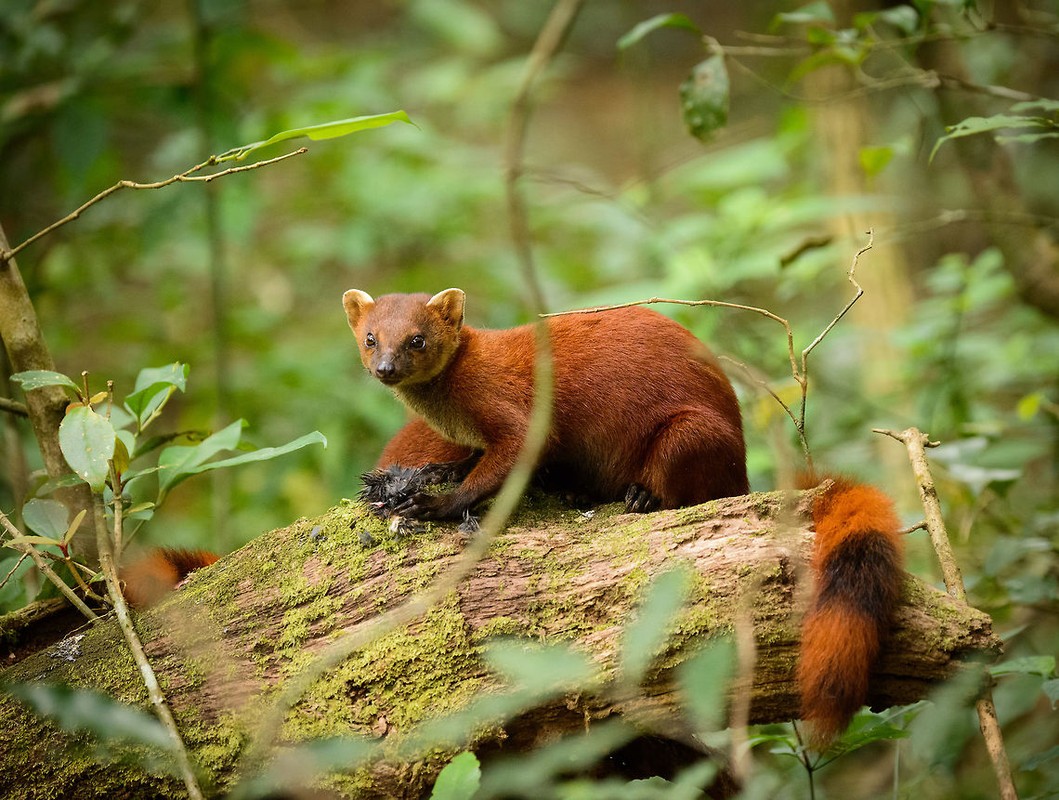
816 13
264 454
83 711
975 125
39 378
704 97
866 727
70 531
1027 665
54 484
645 636
87 442
539 669
523 775
1043 103
154 387
1041 758
14 540
180 462
703 681
459 780
298 766
874 160
326 130
1051 691
177 461
641 30
1026 138
46 517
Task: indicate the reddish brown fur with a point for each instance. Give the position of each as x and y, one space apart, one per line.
857 570
638 400
151 577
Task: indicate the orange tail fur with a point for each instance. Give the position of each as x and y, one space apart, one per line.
857 569
148 579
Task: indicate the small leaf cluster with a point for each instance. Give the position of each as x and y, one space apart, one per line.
108 446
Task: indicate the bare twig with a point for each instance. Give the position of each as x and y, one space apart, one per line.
799 366
13 569
804 380
132 639
916 442
49 573
13 407
188 176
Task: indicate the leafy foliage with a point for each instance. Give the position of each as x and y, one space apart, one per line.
624 207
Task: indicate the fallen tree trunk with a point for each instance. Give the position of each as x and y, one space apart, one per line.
224 644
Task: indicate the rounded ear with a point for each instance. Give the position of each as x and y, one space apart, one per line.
357 304
449 304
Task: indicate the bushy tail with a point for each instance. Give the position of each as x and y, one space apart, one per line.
858 571
148 579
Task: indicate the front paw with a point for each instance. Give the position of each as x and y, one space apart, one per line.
424 505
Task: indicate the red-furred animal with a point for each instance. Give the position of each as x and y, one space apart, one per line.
641 411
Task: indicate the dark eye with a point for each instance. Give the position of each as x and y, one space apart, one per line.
417 342
369 340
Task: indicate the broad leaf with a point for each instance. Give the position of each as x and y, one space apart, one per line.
39 378
704 680
327 130
539 669
82 711
646 634
180 462
1026 665
176 462
975 125
87 442
154 387
46 517
302 765
704 97
264 454
459 780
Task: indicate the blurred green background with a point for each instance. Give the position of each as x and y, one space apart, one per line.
242 278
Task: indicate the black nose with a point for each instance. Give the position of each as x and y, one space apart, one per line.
385 369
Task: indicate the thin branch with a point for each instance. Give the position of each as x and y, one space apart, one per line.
799 368
916 442
13 569
812 345
49 573
188 176
132 639
13 407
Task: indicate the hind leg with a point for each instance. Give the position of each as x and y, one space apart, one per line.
696 456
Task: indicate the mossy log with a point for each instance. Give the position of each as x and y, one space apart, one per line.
225 642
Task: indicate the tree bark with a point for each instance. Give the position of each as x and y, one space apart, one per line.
27 350
225 642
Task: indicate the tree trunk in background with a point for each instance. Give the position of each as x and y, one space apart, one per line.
27 350
843 122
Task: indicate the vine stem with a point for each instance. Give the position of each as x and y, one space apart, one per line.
916 442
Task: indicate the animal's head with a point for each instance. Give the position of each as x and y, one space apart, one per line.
405 338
